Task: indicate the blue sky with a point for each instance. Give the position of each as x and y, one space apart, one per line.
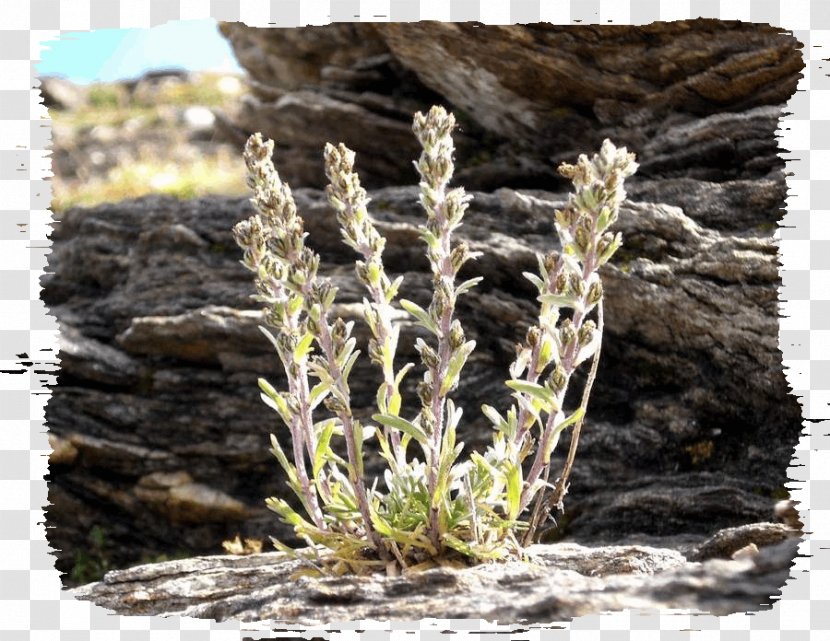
114 54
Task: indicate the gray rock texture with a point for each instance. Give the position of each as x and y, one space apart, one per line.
695 98
562 581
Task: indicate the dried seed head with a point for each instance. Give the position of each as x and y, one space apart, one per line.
335 405
551 262
457 337
595 293
428 356
459 255
557 378
424 391
567 334
534 336
560 285
576 284
586 333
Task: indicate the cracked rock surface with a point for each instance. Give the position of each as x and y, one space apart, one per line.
563 581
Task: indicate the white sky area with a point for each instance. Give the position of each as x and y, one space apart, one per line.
107 55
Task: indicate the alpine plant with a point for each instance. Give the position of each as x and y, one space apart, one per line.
430 507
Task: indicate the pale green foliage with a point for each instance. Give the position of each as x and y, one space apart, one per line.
430 507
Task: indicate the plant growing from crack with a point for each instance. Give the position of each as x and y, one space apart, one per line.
434 508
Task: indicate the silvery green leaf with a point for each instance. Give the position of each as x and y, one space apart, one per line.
513 485
401 424
540 259
587 352
392 290
394 403
380 399
420 314
454 367
561 300
278 453
303 347
347 368
453 416
322 447
346 352
494 417
403 371
271 338
318 394
534 390
468 285
429 238
604 219
573 418
533 278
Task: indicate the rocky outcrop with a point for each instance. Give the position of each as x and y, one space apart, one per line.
160 438
695 98
562 581
163 439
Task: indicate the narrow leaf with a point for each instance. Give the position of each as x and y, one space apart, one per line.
456 363
533 278
573 418
400 423
421 314
318 394
303 347
535 391
322 447
560 300
513 483
468 285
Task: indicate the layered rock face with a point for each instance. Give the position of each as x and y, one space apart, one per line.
692 97
160 437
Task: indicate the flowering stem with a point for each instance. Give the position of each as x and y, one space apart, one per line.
444 213
343 411
350 200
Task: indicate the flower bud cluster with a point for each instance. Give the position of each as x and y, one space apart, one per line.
350 201
570 280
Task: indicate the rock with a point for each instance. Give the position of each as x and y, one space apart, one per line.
787 511
727 543
694 98
60 93
162 353
175 496
562 582
505 77
63 452
294 58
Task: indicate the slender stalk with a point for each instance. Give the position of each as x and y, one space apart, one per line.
343 410
444 213
349 198
543 507
568 363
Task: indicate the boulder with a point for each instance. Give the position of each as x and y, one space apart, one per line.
694 98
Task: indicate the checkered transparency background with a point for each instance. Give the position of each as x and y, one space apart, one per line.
32 604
